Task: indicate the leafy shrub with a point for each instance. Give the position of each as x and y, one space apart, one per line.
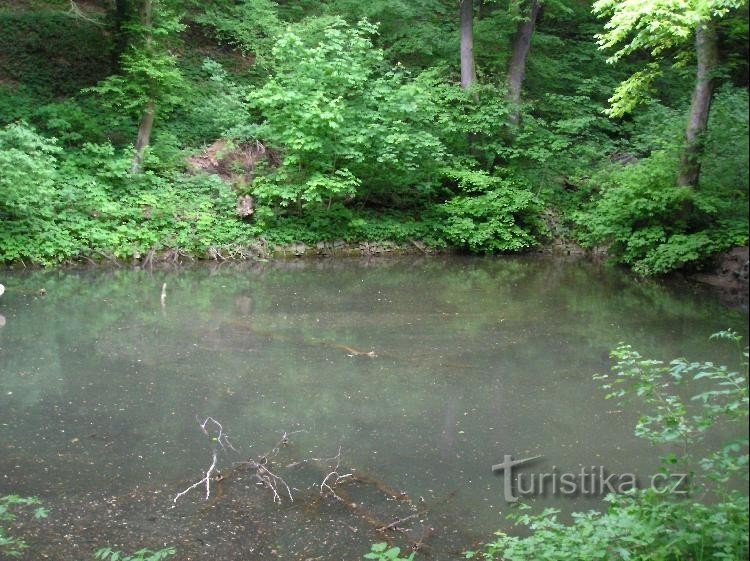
88 204
728 145
29 201
415 44
653 225
78 120
643 527
353 132
10 545
489 214
471 122
248 26
213 107
127 215
381 552
343 223
27 172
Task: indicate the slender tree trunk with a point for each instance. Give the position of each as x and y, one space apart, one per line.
708 58
147 119
468 72
517 64
144 136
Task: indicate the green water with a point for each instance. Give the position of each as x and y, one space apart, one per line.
100 385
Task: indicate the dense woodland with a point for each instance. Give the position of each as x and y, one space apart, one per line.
220 129
223 128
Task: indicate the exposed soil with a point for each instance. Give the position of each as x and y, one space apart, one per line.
729 275
233 163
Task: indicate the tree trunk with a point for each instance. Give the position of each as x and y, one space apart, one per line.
144 135
468 72
147 119
517 64
708 58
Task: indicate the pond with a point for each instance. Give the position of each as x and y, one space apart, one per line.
414 375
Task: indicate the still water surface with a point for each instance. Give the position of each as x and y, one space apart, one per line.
100 386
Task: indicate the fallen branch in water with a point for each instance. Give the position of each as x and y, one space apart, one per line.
221 440
398 522
261 466
335 478
206 479
266 478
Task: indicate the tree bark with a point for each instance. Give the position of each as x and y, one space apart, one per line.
707 52
147 119
468 71
144 136
517 64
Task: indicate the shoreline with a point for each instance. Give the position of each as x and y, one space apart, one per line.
727 276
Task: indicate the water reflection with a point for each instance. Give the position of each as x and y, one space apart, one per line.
476 358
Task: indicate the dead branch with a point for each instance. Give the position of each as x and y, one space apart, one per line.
221 440
334 478
206 479
398 522
265 477
148 261
76 12
110 258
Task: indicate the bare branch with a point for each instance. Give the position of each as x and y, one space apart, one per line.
220 440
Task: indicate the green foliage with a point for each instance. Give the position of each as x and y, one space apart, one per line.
728 147
28 188
89 205
669 418
654 226
213 106
472 122
27 163
343 223
651 525
249 26
359 144
489 214
663 26
354 132
381 552
643 527
429 35
657 26
50 53
107 554
9 545
148 70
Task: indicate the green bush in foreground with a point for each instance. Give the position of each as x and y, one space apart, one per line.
650 525
381 552
9 545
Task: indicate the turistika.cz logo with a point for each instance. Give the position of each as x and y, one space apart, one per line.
588 481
